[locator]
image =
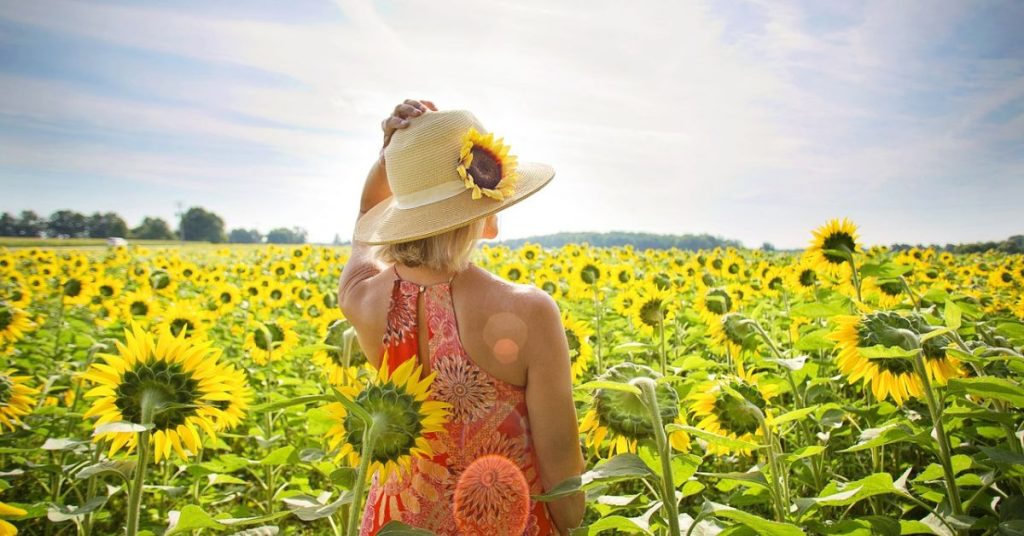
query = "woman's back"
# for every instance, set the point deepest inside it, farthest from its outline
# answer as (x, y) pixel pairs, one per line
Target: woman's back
(488, 405)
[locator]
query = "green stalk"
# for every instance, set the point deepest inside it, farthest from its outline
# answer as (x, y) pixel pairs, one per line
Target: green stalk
(664, 362)
(597, 314)
(668, 491)
(369, 438)
(940, 434)
(148, 404)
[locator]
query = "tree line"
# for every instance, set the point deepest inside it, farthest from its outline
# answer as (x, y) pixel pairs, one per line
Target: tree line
(197, 224)
(691, 242)
(1012, 245)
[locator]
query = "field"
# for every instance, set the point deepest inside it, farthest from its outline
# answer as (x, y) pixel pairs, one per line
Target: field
(845, 390)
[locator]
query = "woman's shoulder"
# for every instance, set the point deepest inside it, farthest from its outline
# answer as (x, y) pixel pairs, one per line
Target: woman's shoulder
(526, 301)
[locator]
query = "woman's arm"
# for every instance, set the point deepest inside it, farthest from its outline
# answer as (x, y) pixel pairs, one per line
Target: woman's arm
(552, 413)
(362, 264)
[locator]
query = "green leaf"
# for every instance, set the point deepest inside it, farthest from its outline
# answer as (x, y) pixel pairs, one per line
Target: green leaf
(952, 315)
(279, 456)
(805, 452)
(121, 427)
(880, 351)
(750, 477)
(215, 479)
(884, 270)
(190, 518)
(934, 471)
(397, 528)
(935, 333)
(710, 437)
(59, 513)
(794, 415)
(794, 364)
(989, 387)
(309, 508)
(1003, 457)
(617, 523)
(289, 402)
(61, 444)
(1013, 330)
(847, 493)
(759, 524)
(818, 310)
(814, 341)
(884, 435)
(121, 468)
(614, 386)
(619, 467)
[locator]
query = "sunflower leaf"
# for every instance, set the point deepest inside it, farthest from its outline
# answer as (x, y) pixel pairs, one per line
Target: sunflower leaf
(989, 387)
(711, 437)
(759, 524)
(121, 468)
(121, 427)
(880, 351)
(619, 467)
(604, 384)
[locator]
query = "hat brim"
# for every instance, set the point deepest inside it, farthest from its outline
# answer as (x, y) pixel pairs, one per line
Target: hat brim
(386, 223)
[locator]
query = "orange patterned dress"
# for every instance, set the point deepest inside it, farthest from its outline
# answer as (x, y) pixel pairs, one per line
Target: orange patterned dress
(487, 416)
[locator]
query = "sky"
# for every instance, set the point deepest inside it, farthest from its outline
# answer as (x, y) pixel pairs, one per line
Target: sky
(757, 121)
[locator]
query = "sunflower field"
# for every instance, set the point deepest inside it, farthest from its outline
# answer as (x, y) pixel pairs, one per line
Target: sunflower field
(840, 390)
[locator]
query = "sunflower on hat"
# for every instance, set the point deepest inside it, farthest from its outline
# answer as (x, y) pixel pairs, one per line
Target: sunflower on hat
(485, 165)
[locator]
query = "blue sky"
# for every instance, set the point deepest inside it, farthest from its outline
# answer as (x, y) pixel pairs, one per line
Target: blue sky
(751, 120)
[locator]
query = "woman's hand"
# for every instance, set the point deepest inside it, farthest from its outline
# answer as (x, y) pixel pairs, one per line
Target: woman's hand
(400, 117)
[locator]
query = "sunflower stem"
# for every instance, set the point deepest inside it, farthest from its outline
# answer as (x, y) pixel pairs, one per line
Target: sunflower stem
(668, 491)
(369, 438)
(664, 358)
(853, 271)
(147, 404)
(597, 314)
(940, 434)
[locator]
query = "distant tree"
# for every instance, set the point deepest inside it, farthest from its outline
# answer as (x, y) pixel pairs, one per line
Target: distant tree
(245, 236)
(30, 224)
(767, 246)
(295, 235)
(198, 224)
(8, 225)
(106, 225)
(153, 229)
(337, 239)
(67, 223)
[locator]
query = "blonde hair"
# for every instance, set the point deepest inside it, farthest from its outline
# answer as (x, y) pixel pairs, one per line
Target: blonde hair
(446, 252)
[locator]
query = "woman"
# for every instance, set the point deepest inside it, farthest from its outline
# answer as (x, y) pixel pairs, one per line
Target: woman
(499, 349)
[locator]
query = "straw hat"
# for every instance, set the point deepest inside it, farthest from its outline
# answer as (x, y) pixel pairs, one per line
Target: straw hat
(445, 170)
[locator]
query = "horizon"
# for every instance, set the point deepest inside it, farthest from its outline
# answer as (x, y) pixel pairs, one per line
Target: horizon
(757, 122)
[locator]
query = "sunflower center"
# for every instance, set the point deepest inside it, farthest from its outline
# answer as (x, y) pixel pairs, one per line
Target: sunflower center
(624, 413)
(738, 416)
(106, 291)
(139, 308)
(734, 268)
(891, 330)
(1007, 277)
(6, 317)
(182, 324)
(891, 288)
(775, 283)
(225, 298)
(276, 337)
(574, 341)
(839, 241)
(159, 280)
(718, 301)
(717, 264)
(590, 274)
(514, 274)
(399, 413)
(549, 287)
(624, 276)
(276, 294)
(485, 168)
(172, 386)
(6, 388)
(72, 288)
(650, 312)
(808, 277)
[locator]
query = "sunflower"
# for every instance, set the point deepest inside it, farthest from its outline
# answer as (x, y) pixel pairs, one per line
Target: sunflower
(623, 418)
(182, 379)
(515, 272)
(16, 398)
(802, 277)
(714, 302)
(733, 333)
(400, 403)
(76, 290)
(140, 304)
(225, 297)
(530, 253)
(486, 167)
(830, 242)
(282, 339)
(332, 360)
(578, 334)
(652, 307)
(233, 409)
(547, 280)
(891, 376)
(887, 293)
(717, 411)
(186, 317)
(6, 510)
(14, 323)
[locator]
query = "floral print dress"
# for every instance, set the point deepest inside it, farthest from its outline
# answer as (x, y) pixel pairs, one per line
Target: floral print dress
(487, 416)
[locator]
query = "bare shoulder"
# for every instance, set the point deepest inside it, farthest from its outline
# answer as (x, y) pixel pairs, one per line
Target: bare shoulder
(527, 300)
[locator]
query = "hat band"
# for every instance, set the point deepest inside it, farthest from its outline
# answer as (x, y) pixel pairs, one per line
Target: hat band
(430, 195)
